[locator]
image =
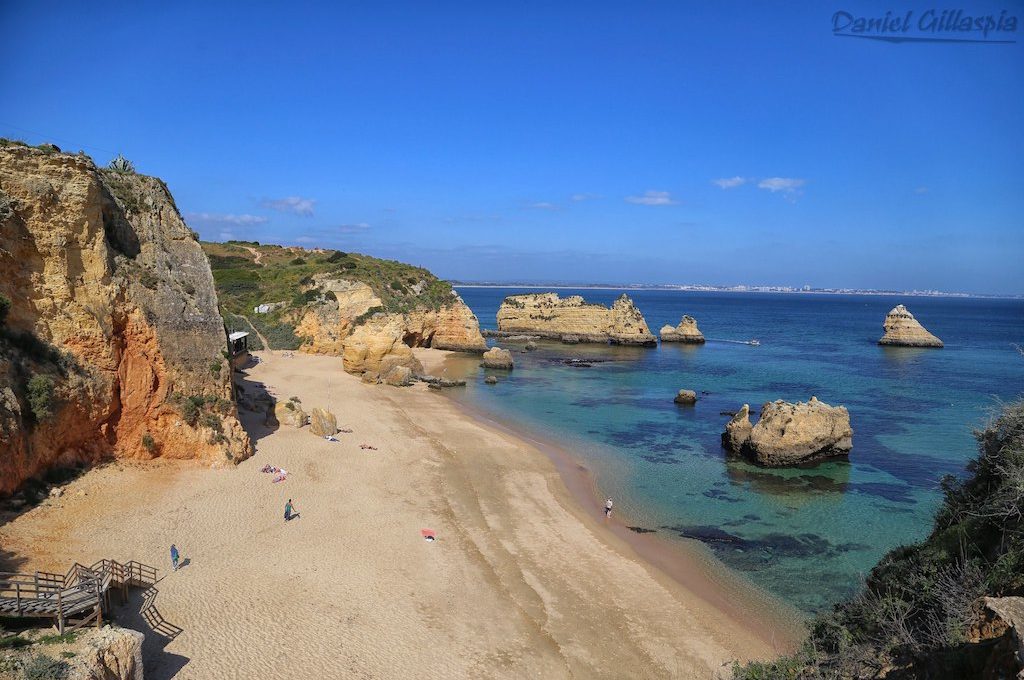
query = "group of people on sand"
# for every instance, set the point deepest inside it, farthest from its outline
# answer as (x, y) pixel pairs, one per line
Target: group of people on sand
(290, 513)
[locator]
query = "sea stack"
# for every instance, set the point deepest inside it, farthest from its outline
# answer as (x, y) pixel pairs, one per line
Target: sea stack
(686, 332)
(790, 434)
(903, 330)
(573, 319)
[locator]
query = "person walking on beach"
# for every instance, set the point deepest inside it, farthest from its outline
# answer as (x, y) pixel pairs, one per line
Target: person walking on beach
(289, 511)
(174, 556)
(608, 508)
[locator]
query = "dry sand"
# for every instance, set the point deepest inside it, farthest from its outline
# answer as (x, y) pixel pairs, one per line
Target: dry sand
(522, 581)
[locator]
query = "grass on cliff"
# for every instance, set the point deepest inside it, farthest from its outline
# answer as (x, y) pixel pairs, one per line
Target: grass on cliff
(921, 600)
(286, 275)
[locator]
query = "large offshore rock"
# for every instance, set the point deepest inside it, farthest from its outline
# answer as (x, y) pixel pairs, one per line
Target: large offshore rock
(109, 281)
(903, 330)
(322, 422)
(573, 319)
(790, 434)
(497, 357)
(685, 332)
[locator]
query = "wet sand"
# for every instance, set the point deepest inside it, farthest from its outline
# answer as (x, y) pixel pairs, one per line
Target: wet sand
(524, 579)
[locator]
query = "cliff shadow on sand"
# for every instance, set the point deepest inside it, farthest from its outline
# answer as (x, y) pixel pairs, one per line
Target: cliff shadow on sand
(255, 402)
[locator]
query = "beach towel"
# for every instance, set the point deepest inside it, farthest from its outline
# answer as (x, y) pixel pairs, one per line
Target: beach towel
(280, 476)
(428, 534)
(330, 438)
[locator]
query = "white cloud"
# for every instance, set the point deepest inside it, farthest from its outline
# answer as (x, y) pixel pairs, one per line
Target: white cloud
(544, 205)
(576, 198)
(652, 197)
(290, 204)
(787, 185)
(220, 218)
(921, 190)
(729, 182)
(352, 228)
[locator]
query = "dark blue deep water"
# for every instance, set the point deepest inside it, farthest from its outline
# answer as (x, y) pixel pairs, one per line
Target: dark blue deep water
(807, 535)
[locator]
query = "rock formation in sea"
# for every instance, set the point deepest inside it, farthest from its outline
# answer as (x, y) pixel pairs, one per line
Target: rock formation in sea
(903, 330)
(685, 332)
(113, 344)
(686, 397)
(573, 319)
(497, 357)
(790, 433)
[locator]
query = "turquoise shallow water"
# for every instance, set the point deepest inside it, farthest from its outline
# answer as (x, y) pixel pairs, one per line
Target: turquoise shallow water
(807, 535)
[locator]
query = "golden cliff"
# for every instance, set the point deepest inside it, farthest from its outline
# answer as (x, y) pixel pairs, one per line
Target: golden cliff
(375, 341)
(572, 319)
(113, 344)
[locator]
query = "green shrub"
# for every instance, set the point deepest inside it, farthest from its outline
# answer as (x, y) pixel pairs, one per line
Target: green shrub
(42, 667)
(211, 421)
(331, 296)
(13, 642)
(336, 256)
(41, 396)
(56, 639)
(148, 443)
(5, 307)
(190, 410)
(215, 368)
(298, 261)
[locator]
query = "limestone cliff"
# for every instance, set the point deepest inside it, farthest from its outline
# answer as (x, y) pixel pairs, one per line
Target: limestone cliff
(903, 330)
(686, 332)
(384, 340)
(549, 316)
(790, 434)
(114, 343)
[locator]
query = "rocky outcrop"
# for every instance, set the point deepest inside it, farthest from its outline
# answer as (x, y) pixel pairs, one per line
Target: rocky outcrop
(686, 397)
(737, 430)
(398, 376)
(290, 413)
(573, 320)
(685, 332)
(1001, 630)
(114, 321)
(107, 653)
(903, 330)
(790, 434)
(385, 340)
(322, 423)
(497, 357)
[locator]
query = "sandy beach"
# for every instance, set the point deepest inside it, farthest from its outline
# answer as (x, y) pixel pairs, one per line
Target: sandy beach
(522, 581)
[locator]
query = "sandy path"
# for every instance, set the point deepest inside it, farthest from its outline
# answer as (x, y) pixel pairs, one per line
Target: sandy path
(518, 584)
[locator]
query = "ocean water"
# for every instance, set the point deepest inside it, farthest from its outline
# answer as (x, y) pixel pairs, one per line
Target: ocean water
(807, 535)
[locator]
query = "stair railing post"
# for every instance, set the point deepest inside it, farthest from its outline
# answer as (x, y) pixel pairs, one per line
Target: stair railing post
(17, 591)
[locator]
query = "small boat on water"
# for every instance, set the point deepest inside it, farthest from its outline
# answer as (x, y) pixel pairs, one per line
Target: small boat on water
(755, 342)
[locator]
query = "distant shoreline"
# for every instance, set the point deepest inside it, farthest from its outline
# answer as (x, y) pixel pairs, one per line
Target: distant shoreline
(760, 290)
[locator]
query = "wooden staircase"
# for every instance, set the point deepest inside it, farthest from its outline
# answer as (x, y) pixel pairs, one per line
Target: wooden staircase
(74, 599)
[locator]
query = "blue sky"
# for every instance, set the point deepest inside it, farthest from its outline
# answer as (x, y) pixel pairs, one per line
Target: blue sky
(555, 141)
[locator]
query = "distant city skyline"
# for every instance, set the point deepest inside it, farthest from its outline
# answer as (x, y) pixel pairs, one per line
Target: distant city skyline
(576, 142)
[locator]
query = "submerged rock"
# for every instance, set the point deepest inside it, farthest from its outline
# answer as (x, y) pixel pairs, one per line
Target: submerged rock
(790, 434)
(497, 357)
(686, 397)
(903, 330)
(685, 332)
(491, 380)
(322, 423)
